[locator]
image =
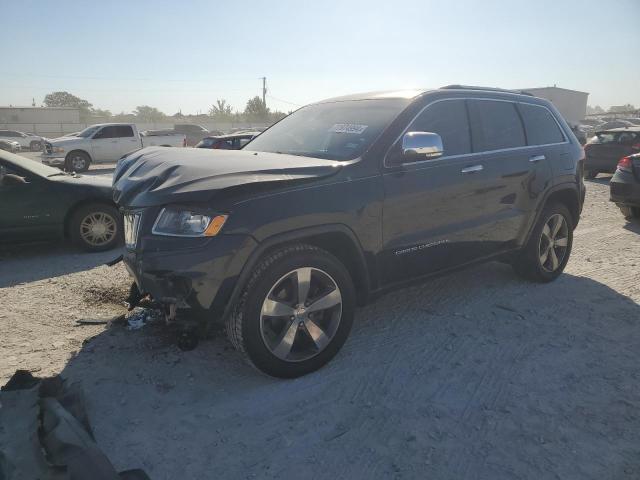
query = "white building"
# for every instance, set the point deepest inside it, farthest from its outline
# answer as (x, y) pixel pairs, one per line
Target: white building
(572, 104)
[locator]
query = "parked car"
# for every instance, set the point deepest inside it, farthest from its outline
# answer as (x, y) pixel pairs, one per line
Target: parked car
(606, 148)
(234, 141)
(10, 146)
(625, 186)
(343, 200)
(611, 124)
(27, 141)
(194, 133)
(38, 203)
(102, 143)
(635, 121)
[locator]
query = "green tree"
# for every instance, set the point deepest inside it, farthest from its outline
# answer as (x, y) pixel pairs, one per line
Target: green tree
(221, 109)
(256, 109)
(65, 99)
(148, 114)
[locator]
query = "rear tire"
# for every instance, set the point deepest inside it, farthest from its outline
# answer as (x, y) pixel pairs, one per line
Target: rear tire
(547, 252)
(77, 162)
(590, 174)
(96, 227)
(35, 146)
(279, 324)
(629, 212)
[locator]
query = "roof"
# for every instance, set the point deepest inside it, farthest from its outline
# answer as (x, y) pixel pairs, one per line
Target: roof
(555, 88)
(620, 129)
(29, 107)
(413, 93)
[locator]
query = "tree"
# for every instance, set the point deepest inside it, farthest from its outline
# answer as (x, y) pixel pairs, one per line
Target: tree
(220, 109)
(65, 99)
(256, 109)
(97, 112)
(148, 114)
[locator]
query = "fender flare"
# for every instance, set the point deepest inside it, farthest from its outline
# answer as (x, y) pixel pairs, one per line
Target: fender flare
(294, 236)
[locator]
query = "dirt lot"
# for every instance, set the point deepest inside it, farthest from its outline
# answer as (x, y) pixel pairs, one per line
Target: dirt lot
(478, 375)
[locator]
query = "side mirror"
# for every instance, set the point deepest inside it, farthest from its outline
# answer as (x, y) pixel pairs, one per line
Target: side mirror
(418, 146)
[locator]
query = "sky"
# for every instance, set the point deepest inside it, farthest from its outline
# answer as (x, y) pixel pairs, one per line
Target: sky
(182, 55)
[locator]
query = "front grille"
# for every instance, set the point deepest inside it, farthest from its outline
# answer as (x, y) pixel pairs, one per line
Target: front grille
(47, 148)
(131, 229)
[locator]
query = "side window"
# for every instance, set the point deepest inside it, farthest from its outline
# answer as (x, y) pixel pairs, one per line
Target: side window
(244, 141)
(627, 138)
(540, 125)
(106, 132)
(11, 133)
(495, 125)
(124, 131)
(448, 119)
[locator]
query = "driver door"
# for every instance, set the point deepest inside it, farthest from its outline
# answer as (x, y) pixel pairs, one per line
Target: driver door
(25, 213)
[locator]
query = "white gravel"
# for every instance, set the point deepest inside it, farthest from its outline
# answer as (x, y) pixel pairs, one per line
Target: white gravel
(477, 375)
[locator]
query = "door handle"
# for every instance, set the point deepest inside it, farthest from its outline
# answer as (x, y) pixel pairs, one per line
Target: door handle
(472, 169)
(537, 158)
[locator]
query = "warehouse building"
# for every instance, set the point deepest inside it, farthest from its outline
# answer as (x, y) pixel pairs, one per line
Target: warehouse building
(572, 104)
(35, 115)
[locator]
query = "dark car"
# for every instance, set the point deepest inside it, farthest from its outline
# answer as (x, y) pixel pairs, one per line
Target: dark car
(625, 186)
(607, 147)
(344, 200)
(194, 133)
(38, 203)
(234, 141)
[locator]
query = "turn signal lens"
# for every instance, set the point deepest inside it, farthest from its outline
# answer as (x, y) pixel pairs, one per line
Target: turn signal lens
(215, 226)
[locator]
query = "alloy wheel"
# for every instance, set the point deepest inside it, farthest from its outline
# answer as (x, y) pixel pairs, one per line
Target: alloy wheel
(553, 243)
(98, 229)
(78, 163)
(301, 314)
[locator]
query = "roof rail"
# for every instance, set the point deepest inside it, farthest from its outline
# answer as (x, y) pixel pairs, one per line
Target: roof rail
(489, 89)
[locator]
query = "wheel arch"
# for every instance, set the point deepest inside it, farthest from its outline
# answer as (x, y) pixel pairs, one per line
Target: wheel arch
(337, 239)
(568, 195)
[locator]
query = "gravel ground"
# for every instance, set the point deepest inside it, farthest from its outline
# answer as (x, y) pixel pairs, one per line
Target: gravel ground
(477, 375)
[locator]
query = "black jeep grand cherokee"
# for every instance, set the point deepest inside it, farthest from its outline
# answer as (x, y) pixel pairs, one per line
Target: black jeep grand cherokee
(345, 199)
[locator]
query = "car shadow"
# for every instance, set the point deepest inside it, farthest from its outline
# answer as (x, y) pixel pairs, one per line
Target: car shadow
(602, 179)
(20, 263)
(633, 225)
(477, 371)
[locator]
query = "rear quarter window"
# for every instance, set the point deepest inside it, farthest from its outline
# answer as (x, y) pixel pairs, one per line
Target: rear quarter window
(540, 125)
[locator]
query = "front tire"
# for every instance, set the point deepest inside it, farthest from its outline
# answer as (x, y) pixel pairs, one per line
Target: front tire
(295, 313)
(629, 212)
(96, 227)
(547, 252)
(77, 162)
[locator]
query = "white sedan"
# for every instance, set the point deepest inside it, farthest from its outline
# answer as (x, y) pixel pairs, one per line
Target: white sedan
(27, 141)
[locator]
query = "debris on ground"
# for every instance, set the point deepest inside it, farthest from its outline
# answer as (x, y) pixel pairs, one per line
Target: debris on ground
(45, 433)
(140, 316)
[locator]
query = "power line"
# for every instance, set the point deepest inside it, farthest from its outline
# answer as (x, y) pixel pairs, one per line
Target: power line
(284, 101)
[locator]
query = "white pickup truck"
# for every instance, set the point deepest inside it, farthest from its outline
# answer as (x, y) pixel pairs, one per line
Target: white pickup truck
(102, 143)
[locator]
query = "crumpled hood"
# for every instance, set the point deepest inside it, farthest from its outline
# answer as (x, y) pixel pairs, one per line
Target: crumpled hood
(160, 175)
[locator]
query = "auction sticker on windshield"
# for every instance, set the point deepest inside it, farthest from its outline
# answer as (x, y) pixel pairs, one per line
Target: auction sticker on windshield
(348, 128)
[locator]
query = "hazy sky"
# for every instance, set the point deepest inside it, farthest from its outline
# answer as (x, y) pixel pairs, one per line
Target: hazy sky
(184, 54)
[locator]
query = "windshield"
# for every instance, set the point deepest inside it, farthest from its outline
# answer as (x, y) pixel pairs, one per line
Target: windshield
(33, 166)
(335, 131)
(87, 132)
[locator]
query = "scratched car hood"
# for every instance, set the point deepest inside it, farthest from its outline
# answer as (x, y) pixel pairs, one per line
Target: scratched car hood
(159, 175)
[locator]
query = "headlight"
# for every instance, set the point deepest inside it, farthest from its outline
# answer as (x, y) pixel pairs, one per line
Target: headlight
(57, 150)
(178, 222)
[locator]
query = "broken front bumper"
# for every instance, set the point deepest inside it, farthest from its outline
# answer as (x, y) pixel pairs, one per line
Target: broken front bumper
(197, 273)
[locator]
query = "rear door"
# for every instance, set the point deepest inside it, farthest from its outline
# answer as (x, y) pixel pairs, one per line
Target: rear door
(112, 142)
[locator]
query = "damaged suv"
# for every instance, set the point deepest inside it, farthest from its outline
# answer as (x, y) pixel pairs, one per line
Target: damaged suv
(343, 200)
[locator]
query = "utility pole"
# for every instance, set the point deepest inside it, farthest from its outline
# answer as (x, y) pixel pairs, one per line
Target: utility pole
(264, 91)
